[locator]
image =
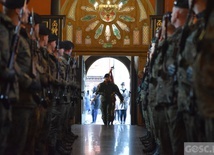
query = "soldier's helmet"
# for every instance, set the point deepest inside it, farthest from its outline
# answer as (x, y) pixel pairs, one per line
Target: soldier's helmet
(13, 4)
(181, 4)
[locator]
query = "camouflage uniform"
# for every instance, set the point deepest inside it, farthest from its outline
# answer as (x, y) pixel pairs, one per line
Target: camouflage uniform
(166, 96)
(43, 123)
(203, 75)
(6, 33)
(23, 111)
(154, 68)
(143, 100)
(106, 90)
(53, 94)
(186, 97)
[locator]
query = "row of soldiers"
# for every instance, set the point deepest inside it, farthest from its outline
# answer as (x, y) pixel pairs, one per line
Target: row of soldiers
(176, 93)
(38, 85)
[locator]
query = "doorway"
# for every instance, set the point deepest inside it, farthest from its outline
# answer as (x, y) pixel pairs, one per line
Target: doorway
(94, 76)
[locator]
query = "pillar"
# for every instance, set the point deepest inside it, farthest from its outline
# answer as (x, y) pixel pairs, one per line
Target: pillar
(159, 7)
(55, 7)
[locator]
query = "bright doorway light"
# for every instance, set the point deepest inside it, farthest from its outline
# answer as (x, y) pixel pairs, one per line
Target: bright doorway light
(94, 76)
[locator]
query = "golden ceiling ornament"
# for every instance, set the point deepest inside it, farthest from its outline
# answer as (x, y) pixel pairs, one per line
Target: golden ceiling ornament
(108, 13)
(107, 26)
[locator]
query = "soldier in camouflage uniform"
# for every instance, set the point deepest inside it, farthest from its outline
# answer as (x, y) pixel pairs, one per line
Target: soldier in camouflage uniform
(148, 140)
(161, 124)
(43, 124)
(203, 72)
(186, 98)
(66, 137)
(23, 111)
(31, 33)
(7, 75)
(54, 95)
(106, 89)
(166, 87)
(158, 123)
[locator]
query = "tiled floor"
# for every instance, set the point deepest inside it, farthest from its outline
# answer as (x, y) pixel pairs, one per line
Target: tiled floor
(107, 140)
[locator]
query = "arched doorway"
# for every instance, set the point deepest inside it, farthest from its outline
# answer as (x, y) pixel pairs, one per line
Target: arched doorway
(130, 65)
(94, 76)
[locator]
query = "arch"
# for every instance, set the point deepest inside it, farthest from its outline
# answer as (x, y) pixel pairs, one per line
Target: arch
(122, 59)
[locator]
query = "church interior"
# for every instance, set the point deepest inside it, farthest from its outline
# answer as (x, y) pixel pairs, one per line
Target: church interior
(125, 36)
(117, 29)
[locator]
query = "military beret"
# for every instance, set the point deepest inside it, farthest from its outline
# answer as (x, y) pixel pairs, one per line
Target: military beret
(61, 45)
(181, 4)
(52, 37)
(106, 75)
(68, 45)
(43, 30)
(13, 4)
(37, 18)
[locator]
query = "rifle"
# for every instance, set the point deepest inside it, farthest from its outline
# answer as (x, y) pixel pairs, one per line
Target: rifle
(33, 46)
(57, 77)
(66, 79)
(4, 96)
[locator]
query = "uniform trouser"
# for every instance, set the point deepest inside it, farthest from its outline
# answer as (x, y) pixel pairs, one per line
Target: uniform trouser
(43, 131)
(209, 128)
(194, 127)
(72, 112)
(162, 132)
(54, 124)
(5, 125)
(32, 132)
(152, 119)
(64, 120)
(106, 109)
(111, 117)
(176, 129)
(67, 111)
(21, 118)
(146, 118)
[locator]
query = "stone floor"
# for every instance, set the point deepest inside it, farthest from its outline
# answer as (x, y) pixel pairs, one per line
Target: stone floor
(116, 139)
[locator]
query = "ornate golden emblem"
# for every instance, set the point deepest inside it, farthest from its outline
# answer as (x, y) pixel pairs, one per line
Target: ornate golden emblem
(108, 14)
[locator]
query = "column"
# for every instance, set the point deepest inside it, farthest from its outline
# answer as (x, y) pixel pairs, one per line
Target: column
(55, 7)
(159, 7)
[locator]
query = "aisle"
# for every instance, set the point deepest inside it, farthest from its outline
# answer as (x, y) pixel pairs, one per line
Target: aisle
(107, 140)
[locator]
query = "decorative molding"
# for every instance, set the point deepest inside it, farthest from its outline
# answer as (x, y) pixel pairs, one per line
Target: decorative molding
(72, 11)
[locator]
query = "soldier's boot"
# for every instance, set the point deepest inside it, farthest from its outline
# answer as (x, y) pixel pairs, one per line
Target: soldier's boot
(146, 137)
(68, 140)
(149, 145)
(73, 135)
(63, 149)
(70, 137)
(157, 150)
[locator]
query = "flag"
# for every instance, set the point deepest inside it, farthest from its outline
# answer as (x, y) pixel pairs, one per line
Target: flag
(111, 75)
